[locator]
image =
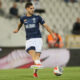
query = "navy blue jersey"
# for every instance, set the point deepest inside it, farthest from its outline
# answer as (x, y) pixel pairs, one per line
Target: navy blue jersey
(31, 25)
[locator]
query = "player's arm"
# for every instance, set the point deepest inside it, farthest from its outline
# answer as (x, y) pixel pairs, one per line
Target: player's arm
(18, 28)
(46, 26)
(49, 30)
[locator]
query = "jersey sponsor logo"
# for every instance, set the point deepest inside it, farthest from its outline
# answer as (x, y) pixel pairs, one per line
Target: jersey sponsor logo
(30, 26)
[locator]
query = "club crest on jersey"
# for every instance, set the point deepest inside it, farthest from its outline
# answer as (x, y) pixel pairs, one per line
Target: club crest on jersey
(34, 20)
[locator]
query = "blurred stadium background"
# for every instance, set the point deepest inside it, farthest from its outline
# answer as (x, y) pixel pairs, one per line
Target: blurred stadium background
(58, 14)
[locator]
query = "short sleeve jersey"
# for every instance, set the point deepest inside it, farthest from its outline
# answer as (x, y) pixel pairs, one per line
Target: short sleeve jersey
(31, 25)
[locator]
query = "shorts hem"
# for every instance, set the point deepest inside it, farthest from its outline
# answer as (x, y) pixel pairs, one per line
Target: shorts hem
(30, 48)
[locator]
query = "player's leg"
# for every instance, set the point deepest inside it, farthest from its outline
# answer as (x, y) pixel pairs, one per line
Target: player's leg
(37, 46)
(30, 48)
(36, 70)
(32, 53)
(38, 49)
(33, 47)
(38, 58)
(37, 55)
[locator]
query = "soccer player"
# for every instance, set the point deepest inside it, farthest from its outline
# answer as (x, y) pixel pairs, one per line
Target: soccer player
(33, 35)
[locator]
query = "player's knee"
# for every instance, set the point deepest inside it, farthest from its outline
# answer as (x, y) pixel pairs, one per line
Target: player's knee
(31, 51)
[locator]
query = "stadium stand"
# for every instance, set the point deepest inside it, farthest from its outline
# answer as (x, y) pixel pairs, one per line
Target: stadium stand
(61, 15)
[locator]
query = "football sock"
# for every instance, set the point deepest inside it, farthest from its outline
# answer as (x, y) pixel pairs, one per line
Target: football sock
(35, 71)
(37, 62)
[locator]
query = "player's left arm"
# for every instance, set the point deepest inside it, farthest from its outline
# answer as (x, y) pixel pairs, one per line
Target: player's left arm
(46, 26)
(49, 30)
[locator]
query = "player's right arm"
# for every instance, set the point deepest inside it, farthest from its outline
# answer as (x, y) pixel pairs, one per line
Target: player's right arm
(18, 28)
(19, 25)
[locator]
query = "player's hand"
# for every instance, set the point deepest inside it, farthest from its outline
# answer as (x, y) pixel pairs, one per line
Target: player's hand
(15, 31)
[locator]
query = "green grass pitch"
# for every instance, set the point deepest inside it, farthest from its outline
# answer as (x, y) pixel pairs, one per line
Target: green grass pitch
(70, 73)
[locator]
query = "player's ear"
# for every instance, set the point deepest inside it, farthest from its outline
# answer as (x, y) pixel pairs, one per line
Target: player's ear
(27, 8)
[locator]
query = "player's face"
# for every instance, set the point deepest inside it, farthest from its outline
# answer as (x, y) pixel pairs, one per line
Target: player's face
(30, 10)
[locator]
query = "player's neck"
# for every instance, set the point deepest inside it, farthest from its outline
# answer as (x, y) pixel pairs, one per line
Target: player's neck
(28, 15)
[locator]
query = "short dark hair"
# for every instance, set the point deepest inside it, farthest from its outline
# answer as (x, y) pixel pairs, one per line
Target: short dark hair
(28, 4)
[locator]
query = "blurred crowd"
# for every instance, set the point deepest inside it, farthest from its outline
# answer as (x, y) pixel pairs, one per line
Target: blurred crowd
(1, 10)
(14, 11)
(52, 43)
(73, 1)
(76, 27)
(55, 43)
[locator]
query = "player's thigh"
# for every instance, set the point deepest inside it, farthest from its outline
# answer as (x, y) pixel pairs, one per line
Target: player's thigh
(38, 45)
(30, 46)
